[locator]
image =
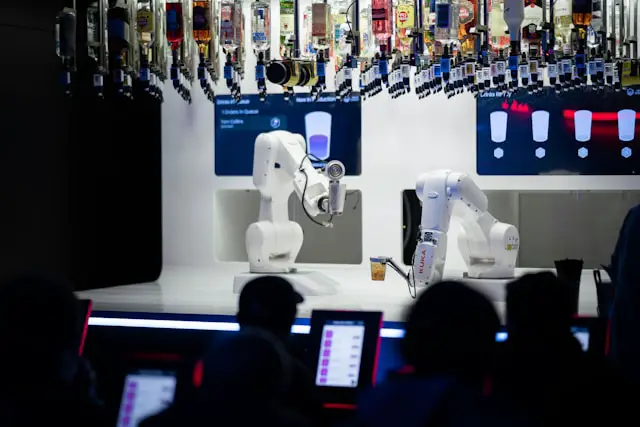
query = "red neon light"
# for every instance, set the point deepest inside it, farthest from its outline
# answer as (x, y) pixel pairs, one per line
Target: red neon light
(377, 357)
(516, 107)
(85, 328)
(339, 406)
(198, 371)
(597, 116)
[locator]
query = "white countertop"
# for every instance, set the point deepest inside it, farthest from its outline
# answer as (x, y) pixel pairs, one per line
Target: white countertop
(189, 290)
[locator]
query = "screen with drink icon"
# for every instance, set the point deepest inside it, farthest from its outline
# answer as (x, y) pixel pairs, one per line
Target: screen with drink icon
(332, 129)
(340, 353)
(573, 133)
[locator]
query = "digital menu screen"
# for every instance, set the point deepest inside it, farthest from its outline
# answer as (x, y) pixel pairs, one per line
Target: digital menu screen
(340, 354)
(573, 133)
(332, 129)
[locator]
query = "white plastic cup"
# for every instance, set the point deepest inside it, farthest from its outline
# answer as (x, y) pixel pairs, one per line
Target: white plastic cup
(498, 126)
(540, 125)
(626, 125)
(582, 121)
(318, 133)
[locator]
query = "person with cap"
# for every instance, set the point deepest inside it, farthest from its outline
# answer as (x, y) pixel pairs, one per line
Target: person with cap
(271, 303)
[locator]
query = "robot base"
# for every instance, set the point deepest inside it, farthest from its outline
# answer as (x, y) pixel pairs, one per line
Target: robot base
(307, 283)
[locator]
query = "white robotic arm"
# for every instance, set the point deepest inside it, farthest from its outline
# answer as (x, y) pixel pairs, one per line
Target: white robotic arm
(489, 247)
(281, 166)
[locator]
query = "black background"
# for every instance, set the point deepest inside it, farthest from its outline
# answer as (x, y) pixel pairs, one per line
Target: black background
(80, 181)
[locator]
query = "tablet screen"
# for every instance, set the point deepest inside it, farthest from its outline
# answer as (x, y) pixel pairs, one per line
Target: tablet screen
(340, 353)
(145, 393)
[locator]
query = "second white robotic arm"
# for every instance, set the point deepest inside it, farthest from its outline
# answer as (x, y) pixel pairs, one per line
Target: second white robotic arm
(489, 247)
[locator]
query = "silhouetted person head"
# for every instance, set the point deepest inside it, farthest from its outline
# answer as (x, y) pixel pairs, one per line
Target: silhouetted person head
(538, 308)
(39, 327)
(251, 365)
(269, 302)
(451, 330)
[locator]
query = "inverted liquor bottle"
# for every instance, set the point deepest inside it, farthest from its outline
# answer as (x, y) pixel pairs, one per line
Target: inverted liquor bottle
(287, 27)
(66, 45)
(145, 28)
(581, 17)
(119, 44)
(382, 29)
(97, 44)
(202, 34)
(261, 41)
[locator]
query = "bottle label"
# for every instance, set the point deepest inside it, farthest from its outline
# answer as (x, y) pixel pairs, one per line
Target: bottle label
(200, 21)
(406, 70)
(424, 75)
(533, 67)
(523, 70)
(552, 70)
(616, 76)
(144, 21)
(259, 72)
(383, 68)
(479, 75)
(443, 15)
(437, 71)
(118, 76)
(486, 73)
(445, 65)
(144, 74)
(287, 23)
(566, 66)
(98, 80)
(599, 65)
(228, 72)
(580, 60)
(347, 73)
(117, 28)
(494, 69)
(378, 13)
(173, 23)
(469, 69)
(501, 67)
(376, 71)
(259, 36)
(608, 70)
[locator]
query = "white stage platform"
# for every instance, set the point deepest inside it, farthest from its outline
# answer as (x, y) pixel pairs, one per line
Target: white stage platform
(183, 290)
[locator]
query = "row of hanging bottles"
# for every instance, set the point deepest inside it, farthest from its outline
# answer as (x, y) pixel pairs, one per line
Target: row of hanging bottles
(424, 47)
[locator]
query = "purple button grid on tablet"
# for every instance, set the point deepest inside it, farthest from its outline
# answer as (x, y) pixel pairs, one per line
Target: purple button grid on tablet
(328, 334)
(324, 371)
(126, 421)
(323, 380)
(326, 353)
(325, 362)
(327, 343)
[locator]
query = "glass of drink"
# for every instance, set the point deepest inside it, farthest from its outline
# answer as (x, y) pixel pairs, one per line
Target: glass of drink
(626, 125)
(318, 133)
(540, 125)
(582, 121)
(378, 269)
(498, 126)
